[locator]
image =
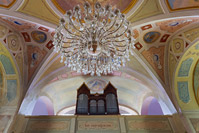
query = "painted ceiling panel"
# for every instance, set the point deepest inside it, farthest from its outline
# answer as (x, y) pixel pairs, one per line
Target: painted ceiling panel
(6, 3)
(65, 5)
(182, 4)
(39, 9)
(148, 8)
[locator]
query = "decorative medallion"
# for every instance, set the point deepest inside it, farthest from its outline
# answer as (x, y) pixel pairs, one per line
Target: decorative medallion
(151, 37)
(13, 42)
(39, 36)
(178, 45)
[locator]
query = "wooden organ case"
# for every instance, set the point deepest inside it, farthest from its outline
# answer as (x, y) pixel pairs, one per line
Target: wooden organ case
(97, 104)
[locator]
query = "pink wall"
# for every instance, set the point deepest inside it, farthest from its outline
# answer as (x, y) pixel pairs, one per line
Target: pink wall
(43, 106)
(151, 106)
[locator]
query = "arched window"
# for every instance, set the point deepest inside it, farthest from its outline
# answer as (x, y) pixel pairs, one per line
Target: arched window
(111, 104)
(82, 106)
(101, 108)
(93, 107)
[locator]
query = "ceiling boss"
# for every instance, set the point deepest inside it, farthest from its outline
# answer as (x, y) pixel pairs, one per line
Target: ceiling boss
(96, 41)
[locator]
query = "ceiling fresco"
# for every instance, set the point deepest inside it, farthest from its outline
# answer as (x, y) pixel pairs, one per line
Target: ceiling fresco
(161, 40)
(148, 8)
(182, 4)
(65, 5)
(9, 81)
(37, 39)
(7, 3)
(186, 80)
(30, 7)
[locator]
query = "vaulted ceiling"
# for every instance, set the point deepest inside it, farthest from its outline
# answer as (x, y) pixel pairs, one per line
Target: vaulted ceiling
(164, 30)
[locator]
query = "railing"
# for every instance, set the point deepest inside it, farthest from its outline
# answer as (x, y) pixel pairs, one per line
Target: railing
(98, 124)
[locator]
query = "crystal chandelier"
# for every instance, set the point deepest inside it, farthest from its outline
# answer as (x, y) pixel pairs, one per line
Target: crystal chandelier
(96, 41)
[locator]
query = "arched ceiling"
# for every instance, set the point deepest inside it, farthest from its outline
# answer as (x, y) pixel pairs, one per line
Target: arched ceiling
(154, 22)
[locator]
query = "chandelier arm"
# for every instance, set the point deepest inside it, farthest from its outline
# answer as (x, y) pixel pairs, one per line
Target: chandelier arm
(114, 41)
(105, 23)
(67, 54)
(108, 28)
(68, 47)
(118, 35)
(82, 25)
(79, 20)
(114, 31)
(122, 46)
(82, 33)
(74, 35)
(72, 38)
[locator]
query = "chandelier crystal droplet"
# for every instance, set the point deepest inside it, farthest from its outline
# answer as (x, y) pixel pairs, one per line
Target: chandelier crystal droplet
(96, 41)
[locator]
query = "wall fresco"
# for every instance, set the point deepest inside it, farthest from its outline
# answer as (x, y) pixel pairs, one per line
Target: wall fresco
(7, 64)
(173, 25)
(35, 56)
(18, 23)
(183, 91)
(96, 85)
(196, 82)
(182, 4)
(11, 90)
(155, 57)
(185, 67)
